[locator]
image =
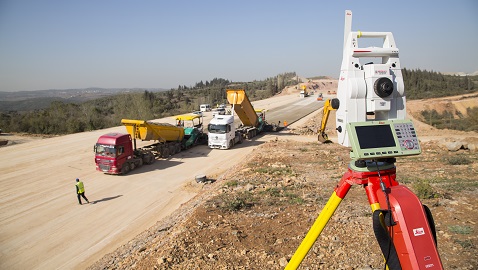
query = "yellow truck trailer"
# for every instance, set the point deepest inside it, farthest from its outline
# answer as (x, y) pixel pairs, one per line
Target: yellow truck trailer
(116, 153)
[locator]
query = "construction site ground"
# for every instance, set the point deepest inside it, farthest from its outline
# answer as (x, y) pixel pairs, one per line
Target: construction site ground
(255, 215)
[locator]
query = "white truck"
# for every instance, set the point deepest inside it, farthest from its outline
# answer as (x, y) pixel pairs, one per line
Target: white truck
(205, 108)
(223, 133)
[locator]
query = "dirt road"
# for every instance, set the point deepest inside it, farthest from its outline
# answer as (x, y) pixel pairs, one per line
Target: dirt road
(44, 227)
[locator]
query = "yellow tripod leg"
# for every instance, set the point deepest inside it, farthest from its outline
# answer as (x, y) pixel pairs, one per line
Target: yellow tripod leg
(314, 231)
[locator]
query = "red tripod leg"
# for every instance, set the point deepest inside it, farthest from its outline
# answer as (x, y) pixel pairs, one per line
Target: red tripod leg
(411, 235)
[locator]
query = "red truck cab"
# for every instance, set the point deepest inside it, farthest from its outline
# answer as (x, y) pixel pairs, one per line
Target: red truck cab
(112, 150)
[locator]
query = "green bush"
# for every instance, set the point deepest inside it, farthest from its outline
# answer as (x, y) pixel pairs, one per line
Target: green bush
(446, 120)
(459, 229)
(232, 183)
(237, 201)
(424, 190)
(458, 160)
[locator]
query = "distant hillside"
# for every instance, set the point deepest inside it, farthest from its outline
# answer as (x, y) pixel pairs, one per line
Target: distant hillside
(29, 104)
(63, 116)
(41, 99)
(429, 84)
(106, 107)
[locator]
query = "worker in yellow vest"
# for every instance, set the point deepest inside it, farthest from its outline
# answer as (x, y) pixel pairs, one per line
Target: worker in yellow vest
(80, 190)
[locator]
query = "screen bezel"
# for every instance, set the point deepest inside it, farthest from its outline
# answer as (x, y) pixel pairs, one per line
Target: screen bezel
(377, 152)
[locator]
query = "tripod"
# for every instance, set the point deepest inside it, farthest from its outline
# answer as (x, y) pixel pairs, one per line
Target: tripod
(403, 226)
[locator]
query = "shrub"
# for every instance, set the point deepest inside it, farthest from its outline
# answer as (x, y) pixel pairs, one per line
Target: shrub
(458, 160)
(424, 190)
(458, 229)
(236, 202)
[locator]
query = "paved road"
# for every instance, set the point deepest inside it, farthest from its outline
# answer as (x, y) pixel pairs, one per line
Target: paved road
(294, 111)
(42, 225)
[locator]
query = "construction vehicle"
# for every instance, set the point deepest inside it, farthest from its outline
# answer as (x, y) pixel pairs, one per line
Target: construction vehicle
(193, 130)
(222, 131)
(117, 153)
(330, 104)
(304, 92)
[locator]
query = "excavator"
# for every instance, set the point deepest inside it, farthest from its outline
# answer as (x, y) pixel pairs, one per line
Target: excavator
(330, 104)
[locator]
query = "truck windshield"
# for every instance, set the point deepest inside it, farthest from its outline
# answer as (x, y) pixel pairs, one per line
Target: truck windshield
(105, 150)
(221, 129)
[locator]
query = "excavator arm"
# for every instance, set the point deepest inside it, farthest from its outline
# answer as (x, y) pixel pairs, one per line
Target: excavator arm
(330, 104)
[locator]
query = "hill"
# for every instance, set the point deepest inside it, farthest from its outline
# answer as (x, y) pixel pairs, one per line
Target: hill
(41, 99)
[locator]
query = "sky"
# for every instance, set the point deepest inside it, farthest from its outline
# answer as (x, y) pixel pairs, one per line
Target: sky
(58, 44)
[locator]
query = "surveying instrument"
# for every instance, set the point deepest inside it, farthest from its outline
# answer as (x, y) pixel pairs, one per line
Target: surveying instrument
(370, 118)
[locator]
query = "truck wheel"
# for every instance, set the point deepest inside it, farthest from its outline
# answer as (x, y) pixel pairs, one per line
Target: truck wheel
(165, 152)
(151, 159)
(231, 144)
(171, 150)
(132, 166)
(125, 168)
(140, 163)
(178, 148)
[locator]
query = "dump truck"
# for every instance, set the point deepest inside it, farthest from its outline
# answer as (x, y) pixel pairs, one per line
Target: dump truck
(223, 133)
(304, 92)
(117, 153)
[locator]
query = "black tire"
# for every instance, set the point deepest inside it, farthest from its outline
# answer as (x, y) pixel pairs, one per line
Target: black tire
(125, 168)
(132, 166)
(172, 149)
(335, 103)
(165, 152)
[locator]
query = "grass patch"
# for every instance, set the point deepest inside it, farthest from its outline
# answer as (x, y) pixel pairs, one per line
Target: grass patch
(459, 184)
(274, 171)
(232, 183)
(273, 192)
(458, 160)
(424, 190)
(459, 229)
(293, 198)
(236, 202)
(466, 244)
(280, 196)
